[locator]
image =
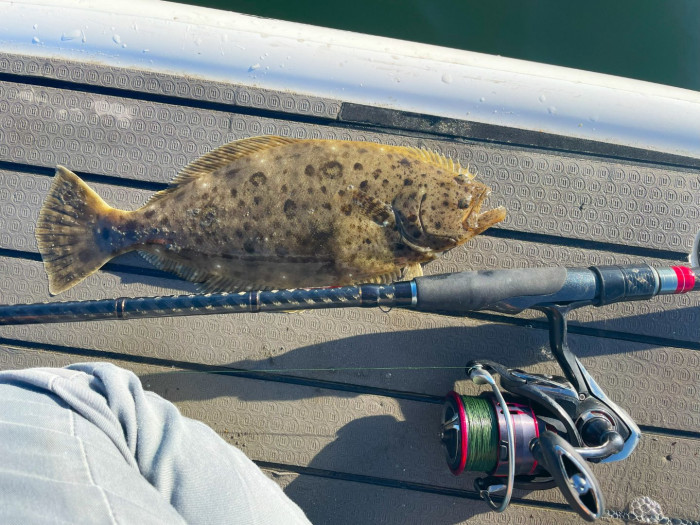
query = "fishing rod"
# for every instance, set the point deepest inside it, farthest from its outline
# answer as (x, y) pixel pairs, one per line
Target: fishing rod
(534, 432)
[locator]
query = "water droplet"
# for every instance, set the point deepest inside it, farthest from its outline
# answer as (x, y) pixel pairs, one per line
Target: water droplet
(116, 39)
(254, 67)
(542, 99)
(551, 110)
(36, 40)
(482, 99)
(447, 78)
(70, 35)
(35, 26)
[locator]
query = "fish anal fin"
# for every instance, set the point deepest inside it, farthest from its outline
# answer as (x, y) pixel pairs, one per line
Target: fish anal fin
(411, 272)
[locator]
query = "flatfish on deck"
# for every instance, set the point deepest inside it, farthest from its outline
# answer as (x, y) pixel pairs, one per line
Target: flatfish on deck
(271, 213)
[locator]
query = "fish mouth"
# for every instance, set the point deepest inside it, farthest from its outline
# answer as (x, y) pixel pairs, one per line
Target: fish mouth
(475, 222)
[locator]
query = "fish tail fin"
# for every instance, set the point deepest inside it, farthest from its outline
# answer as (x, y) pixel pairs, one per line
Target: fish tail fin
(66, 231)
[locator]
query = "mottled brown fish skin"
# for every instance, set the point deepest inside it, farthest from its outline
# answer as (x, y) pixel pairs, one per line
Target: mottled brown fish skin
(305, 213)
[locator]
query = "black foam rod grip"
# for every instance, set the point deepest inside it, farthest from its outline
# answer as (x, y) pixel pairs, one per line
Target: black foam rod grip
(479, 290)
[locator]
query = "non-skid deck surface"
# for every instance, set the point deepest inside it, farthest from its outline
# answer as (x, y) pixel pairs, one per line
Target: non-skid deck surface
(341, 407)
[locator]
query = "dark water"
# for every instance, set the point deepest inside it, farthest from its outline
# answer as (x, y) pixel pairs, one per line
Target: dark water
(651, 40)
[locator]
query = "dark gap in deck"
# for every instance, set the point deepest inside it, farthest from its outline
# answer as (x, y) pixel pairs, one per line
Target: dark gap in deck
(398, 484)
(223, 370)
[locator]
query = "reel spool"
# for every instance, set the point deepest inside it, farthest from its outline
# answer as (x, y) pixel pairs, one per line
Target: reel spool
(474, 433)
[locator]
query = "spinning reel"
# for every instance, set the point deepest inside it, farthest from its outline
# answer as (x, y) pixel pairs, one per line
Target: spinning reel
(539, 433)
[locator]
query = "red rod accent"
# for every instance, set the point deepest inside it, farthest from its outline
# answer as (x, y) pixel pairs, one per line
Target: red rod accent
(686, 279)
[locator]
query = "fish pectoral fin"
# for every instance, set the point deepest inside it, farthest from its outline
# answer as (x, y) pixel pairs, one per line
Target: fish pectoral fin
(379, 211)
(220, 157)
(412, 271)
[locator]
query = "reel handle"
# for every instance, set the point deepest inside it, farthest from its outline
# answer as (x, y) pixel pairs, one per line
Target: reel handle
(571, 473)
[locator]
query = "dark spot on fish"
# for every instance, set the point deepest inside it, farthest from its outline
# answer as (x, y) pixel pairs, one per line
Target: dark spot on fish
(85, 256)
(276, 224)
(241, 204)
(390, 155)
(407, 182)
(463, 204)
(412, 218)
(205, 196)
(424, 175)
(281, 251)
(309, 170)
(310, 191)
(239, 233)
(232, 172)
(257, 200)
(332, 169)
(246, 226)
(249, 246)
(278, 158)
(208, 219)
(445, 204)
(346, 209)
(442, 184)
(438, 225)
(326, 205)
(285, 171)
(341, 192)
(385, 182)
(413, 195)
(258, 178)
(149, 214)
(367, 241)
(290, 208)
(234, 192)
(376, 173)
(323, 189)
(363, 185)
(165, 221)
(362, 150)
(130, 225)
(405, 162)
(358, 166)
(284, 188)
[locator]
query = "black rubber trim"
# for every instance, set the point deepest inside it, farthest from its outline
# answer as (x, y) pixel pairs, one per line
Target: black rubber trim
(417, 122)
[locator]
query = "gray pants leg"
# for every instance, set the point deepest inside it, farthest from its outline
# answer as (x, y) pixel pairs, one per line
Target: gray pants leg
(86, 444)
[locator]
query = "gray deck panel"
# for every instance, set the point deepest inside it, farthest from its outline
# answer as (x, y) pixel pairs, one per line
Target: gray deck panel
(570, 196)
(380, 437)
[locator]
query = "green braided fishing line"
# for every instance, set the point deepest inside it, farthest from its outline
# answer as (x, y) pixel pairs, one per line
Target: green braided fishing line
(482, 437)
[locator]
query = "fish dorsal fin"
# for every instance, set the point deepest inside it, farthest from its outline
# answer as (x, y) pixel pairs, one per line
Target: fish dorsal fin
(443, 161)
(220, 157)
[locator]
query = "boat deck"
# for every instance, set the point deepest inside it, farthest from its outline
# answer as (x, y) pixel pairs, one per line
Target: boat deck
(341, 407)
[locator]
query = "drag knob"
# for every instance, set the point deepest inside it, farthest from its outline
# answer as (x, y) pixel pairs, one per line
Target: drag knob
(571, 473)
